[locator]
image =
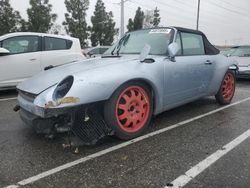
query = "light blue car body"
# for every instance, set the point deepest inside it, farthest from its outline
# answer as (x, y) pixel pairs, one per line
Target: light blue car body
(173, 81)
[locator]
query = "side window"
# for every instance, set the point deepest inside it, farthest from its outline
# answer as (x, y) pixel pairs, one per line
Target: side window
(69, 44)
(55, 44)
(95, 51)
(21, 44)
(192, 44)
(102, 50)
(178, 41)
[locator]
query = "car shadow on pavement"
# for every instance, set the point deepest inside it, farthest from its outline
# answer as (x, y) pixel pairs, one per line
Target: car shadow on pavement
(8, 93)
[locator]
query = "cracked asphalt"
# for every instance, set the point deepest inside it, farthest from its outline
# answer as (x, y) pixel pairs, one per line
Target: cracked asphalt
(151, 162)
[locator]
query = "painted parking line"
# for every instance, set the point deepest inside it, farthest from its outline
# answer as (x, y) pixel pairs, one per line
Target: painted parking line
(8, 99)
(119, 146)
(182, 180)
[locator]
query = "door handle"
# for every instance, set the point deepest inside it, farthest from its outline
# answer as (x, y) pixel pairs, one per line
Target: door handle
(208, 62)
(33, 59)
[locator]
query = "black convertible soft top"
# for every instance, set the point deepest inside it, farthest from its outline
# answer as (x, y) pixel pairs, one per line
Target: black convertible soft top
(209, 48)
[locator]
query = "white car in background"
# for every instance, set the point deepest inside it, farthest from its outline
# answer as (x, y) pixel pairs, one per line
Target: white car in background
(241, 54)
(23, 55)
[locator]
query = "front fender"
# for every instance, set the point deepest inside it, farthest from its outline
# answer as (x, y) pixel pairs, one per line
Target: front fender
(93, 87)
(80, 93)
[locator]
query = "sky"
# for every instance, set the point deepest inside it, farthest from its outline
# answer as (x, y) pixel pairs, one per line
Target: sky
(225, 22)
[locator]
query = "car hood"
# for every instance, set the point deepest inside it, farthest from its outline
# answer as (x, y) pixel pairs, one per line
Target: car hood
(46, 79)
(242, 61)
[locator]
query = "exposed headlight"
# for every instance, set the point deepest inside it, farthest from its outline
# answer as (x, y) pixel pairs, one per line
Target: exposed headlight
(63, 88)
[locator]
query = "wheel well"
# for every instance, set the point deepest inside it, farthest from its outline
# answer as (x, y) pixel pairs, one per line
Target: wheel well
(100, 104)
(149, 86)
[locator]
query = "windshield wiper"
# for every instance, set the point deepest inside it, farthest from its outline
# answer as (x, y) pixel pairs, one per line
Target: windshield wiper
(118, 44)
(123, 42)
(109, 56)
(118, 47)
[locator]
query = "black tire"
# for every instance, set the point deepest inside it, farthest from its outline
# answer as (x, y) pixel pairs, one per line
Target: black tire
(111, 111)
(221, 98)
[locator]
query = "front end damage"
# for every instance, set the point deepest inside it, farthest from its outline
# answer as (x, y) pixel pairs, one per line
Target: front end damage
(65, 115)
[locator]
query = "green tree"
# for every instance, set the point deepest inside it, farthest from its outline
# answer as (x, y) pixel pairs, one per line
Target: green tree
(56, 29)
(10, 19)
(24, 26)
(109, 31)
(156, 19)
(40, 18)
(137, 23)
(138, 20)
(103, 26)
(130, 25)
(75, 20)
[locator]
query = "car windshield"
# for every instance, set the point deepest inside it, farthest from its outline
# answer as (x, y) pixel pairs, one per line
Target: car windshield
(133, 43)
(240, 51)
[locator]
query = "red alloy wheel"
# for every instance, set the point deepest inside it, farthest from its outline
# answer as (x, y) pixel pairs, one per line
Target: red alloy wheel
(228, 87)
(132, 109)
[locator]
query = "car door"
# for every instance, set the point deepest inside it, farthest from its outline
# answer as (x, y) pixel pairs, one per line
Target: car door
(22, 62)
(188, 77)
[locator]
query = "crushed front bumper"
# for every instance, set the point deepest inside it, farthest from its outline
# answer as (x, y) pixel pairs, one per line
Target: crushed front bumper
(40, 125)
(29, 106)
(86, 122)
(43, 120)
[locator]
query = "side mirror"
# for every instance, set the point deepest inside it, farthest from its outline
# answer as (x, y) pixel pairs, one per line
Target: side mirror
(144, 53)
(173, 49)
(4, 51)
(228, 55)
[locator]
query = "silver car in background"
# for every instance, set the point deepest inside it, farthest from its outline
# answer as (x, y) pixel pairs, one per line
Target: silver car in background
(95, 51)
(241, 54)
(145, 73)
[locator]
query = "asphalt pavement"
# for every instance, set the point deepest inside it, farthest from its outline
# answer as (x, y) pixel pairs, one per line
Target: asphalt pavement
(177, 141)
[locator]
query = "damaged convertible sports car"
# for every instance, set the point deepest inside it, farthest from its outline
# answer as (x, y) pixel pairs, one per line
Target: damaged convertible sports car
(145, 73)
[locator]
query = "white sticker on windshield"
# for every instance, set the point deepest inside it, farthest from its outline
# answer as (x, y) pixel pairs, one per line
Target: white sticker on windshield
(163, 30)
